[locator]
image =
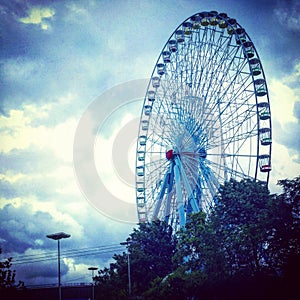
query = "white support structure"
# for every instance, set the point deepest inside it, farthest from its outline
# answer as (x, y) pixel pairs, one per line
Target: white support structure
(187, 186)
(180, 203)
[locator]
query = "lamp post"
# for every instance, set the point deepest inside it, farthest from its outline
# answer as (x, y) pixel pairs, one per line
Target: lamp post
(57, 237)
(93, 286)
(127, 243)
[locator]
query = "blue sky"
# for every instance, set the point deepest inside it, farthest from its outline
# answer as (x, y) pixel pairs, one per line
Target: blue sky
(57, 59)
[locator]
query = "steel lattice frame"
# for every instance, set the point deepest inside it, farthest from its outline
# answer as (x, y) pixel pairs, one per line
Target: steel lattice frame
(205, 119)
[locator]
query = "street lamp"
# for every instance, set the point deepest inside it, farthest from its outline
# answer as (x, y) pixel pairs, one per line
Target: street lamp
(127, 243)
(93, 286)
(57, 237)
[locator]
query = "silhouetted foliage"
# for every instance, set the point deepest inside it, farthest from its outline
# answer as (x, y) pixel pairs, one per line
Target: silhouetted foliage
(284, 243)
(241, 224)
(151, 248)
(246, 248)
(7, 276)
(8, 286)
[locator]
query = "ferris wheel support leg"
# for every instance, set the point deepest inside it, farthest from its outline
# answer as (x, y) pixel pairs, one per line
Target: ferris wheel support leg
(160, 196)
(180, 204)
(169, 194)
(194, 204)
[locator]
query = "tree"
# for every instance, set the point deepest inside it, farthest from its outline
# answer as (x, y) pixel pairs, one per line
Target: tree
(228, 246)
(112, 282)
(151, 248)
(241, 222)
(8, 288)
(246, 248)
(179, 285)
(284, 243)
(7, 276)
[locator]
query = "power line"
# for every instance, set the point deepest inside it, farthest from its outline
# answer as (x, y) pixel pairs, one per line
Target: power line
(34, 258)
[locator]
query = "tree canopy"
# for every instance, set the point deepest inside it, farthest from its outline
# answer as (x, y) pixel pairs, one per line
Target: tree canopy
(151, 248)
(247, 248)
(8, 287)
(7, 276)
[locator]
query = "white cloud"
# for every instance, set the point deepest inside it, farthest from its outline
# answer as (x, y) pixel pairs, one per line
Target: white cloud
(110, 168)
(19, 133)
(282, 101)
(293, 79)
(12, 177)
(39, 16)
(283, 166)
(15, 202)
(286, 130)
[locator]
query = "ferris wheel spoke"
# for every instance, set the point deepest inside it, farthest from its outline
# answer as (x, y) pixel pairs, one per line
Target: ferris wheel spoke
(233, 136)
(235, 83)
(230, 59)
(241, 114)
(210, 65)
(210, 181)
(215, 111)
(241, 119)
(234, 173)
(238, 135)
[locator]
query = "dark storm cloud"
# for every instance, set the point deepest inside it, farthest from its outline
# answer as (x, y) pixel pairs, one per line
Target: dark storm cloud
(288, 13)
(274, 28)
(41, 65)
(16, 39)
(40, 271)
(15, 8)
(285, 33)
(20, 227)
(23, 232)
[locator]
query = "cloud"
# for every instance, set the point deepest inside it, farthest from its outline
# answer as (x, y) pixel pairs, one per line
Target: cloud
(284, 165)
(108, 156)
(285, 106)
(282, 101)
(288, 14)
(293, 78)
(27, 226)
(25, 222)
(18, 132)
(39, 16)
(19, 69)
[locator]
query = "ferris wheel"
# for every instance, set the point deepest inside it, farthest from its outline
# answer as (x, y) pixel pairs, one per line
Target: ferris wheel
(205, 119)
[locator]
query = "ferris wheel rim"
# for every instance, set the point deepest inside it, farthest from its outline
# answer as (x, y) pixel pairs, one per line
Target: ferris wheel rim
(139, 166)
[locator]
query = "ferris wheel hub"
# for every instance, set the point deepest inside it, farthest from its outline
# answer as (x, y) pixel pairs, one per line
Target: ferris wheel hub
(169, 154)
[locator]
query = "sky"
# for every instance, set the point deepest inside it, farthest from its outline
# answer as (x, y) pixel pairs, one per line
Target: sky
(72, 76)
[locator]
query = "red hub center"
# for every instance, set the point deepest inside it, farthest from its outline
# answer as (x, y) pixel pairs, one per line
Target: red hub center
(169, 154)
